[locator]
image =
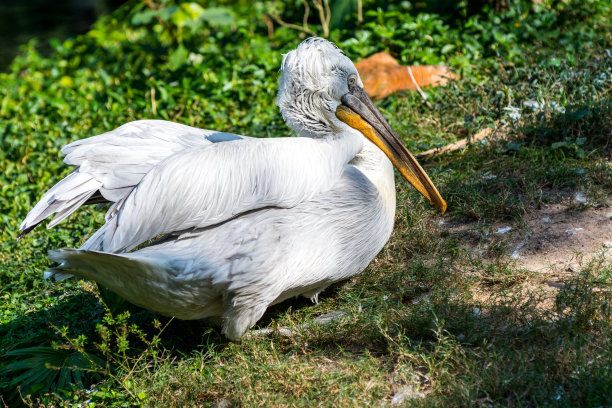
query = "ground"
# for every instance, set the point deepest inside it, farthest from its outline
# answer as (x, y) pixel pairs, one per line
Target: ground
(555, 239)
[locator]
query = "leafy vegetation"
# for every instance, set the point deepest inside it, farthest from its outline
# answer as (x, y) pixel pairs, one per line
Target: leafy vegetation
(539, 73)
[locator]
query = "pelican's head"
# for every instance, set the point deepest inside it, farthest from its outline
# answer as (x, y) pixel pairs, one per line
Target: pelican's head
(314, 78)
(320, 91)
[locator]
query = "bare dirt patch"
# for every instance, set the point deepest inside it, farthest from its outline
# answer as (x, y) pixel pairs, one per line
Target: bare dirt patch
(557, 237)
(553, 242)
(554, 239)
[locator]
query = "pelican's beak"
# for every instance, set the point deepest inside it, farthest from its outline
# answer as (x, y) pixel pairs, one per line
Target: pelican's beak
(358, 111)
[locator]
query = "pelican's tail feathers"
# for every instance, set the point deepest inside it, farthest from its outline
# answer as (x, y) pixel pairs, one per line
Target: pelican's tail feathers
(99, 241)
(122, 274)
(96, 241)
(62, 199)
(150, 281)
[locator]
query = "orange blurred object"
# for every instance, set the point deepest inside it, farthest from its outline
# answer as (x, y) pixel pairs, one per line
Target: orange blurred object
(382, 75)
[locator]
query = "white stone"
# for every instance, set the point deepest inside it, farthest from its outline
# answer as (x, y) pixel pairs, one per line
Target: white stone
(503, 230)
(579, 196)
(405, 393)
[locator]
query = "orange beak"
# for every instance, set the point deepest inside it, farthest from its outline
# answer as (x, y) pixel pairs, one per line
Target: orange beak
(358, 111)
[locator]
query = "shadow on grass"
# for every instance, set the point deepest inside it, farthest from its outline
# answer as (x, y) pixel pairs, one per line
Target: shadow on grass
(547, 161)
(515, 348)
(47, 342)
(508, 349)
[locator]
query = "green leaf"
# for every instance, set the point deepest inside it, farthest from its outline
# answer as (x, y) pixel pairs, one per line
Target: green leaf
(447, 48)
(167, 12)
(513, 147)
(558, 145)
(193, 10)
(553, 62)
(144, 17)
(178, 57)
(218, 16)
(44, 368)
(187, 15)
(579, 114)
(341, 10)
(581, 140)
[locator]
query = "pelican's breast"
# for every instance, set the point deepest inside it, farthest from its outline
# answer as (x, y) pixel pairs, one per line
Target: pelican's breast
(337, 234)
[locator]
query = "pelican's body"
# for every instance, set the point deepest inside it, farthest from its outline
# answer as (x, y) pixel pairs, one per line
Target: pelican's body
(245, 222)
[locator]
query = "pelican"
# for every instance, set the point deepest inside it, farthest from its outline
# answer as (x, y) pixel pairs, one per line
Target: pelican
(227, 225)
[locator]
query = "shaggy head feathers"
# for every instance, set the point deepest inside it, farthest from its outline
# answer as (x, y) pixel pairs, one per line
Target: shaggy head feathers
(314, 78)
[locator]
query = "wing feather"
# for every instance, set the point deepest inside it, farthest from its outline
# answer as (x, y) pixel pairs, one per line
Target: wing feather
(206, 186)
(111, 164)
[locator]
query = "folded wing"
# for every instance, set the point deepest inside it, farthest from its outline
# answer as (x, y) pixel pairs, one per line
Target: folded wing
(205, 186)
(108, 166)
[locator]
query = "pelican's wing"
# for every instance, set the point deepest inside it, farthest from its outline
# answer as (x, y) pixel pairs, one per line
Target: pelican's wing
(212, 184)
(108, 166)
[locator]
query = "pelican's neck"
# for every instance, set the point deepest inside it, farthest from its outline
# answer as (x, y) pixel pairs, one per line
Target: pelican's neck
(375, 165)
(350, 146)
(341, 148)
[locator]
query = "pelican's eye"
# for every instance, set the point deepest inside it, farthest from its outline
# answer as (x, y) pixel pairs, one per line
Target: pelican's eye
(352, 80)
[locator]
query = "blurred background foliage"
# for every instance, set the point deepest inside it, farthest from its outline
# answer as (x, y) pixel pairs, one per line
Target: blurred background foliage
(21, 21)
(214, 64)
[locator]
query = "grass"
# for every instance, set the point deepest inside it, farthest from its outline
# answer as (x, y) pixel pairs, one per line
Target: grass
(429, 317)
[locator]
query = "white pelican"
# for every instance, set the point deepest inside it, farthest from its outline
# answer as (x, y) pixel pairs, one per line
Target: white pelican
(244, 222)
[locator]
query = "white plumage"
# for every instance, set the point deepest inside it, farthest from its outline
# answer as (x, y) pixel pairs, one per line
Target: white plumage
(244, 222)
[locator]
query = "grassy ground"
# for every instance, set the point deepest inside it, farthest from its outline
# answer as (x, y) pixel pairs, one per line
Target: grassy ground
(431, 319)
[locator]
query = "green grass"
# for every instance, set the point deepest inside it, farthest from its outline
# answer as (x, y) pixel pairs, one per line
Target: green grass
(456, 327)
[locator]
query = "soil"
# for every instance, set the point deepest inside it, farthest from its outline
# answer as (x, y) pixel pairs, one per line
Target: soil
(555, 239)
(554, 243)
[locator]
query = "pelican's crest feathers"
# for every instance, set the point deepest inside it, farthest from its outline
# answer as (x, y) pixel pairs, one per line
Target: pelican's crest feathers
(313, 79)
